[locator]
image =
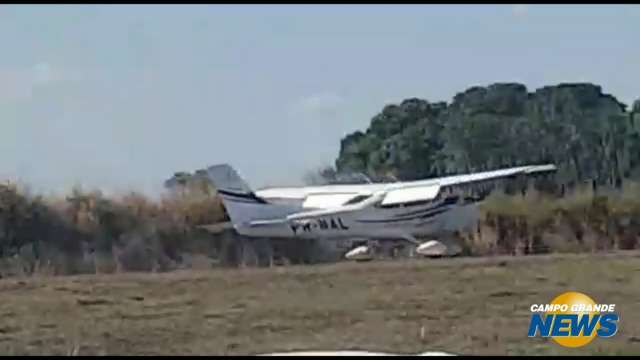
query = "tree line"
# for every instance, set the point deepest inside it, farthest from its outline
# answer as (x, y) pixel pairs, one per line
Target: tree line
(589, 135)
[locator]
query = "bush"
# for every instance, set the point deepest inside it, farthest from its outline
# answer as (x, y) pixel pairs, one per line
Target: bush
(538, 223)
(128, 233)
(87, 232)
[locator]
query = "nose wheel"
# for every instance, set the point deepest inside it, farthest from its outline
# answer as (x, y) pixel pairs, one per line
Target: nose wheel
(364, 252)
(438, 249)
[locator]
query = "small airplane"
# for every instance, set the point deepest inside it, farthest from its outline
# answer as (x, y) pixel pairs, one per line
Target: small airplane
(393, 211)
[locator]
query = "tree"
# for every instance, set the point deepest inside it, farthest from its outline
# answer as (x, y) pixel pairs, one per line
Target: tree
(586, 133)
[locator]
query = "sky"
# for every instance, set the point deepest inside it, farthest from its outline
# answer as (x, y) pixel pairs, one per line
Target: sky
(119, 97)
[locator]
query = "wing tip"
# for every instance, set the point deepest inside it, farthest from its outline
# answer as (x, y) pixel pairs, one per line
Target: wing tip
(542, 168)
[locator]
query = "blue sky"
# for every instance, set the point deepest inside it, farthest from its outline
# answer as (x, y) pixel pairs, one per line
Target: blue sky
(120, 97)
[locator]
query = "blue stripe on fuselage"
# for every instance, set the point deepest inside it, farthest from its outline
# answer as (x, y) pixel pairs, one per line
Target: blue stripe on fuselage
(446, 202)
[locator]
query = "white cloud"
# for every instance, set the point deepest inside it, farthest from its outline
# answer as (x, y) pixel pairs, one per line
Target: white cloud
(317, 104)
(520, 10)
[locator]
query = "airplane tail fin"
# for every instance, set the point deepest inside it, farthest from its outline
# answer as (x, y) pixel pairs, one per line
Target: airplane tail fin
(226, 179)
(239, 200)
(241, 203)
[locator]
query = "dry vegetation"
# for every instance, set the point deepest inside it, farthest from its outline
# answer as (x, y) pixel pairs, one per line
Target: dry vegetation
(465, 305)
(536, 223)
(88, 233)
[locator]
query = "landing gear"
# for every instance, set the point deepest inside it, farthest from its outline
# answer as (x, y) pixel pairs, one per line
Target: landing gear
(437, 249)
(367, 251)
(442, 247)
(360, 253)
(364, 252)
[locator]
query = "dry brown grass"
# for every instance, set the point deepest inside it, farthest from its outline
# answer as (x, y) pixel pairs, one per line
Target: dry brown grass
(87, 232)
(90, 229)
(466, 306)
(581, 221)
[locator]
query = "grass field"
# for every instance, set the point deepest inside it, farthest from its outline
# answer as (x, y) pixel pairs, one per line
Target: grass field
(465, 306)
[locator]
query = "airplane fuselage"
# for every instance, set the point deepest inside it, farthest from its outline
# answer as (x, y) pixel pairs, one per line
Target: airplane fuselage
(394, 222)
(394, 211)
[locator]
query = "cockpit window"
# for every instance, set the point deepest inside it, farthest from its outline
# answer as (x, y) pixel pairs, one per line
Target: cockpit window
(357, 199)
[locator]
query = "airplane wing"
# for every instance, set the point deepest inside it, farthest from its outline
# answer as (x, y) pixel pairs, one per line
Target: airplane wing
(494, 175)
(410, 194)
(394, 194)
(424, 190)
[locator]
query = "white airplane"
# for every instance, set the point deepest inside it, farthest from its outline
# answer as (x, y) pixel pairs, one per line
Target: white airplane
(395, 211)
